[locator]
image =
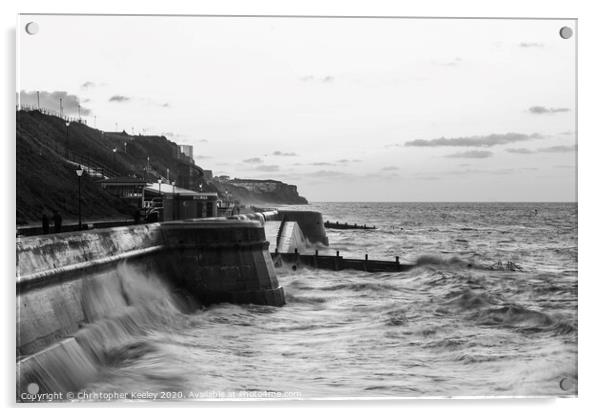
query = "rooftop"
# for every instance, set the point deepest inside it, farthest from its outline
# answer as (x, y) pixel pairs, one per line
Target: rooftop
(123, 180)
(167, 189)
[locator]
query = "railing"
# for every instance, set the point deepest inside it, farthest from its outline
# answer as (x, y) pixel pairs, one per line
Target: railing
(46, 111)
(90, 166)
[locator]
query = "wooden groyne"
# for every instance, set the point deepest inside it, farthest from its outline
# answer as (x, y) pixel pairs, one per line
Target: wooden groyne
(337, 262)
(346, 226)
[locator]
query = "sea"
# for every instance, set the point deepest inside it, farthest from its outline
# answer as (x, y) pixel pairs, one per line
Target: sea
(490, 310)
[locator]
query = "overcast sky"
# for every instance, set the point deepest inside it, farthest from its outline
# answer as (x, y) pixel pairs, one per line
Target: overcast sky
(347, 109)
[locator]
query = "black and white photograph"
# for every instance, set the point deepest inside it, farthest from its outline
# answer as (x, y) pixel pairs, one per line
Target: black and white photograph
(227, 208)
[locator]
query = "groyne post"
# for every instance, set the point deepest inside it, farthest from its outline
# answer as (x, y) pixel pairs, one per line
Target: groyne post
(336, 261)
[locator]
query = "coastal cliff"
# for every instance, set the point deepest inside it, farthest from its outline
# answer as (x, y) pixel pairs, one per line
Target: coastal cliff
(49, 150)
(256, 191)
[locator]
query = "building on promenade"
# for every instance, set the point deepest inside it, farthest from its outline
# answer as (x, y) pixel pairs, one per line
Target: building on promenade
(175, 203)
(127, 188)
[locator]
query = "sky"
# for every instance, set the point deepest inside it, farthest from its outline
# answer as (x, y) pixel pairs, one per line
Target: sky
(346, 109)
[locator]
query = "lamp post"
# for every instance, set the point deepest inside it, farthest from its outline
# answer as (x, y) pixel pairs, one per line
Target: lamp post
(67, 141)
(79, 171)
(114, 155)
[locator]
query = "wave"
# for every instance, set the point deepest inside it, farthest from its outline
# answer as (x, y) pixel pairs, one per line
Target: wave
(435, 260)
(524, 319)
(468, 300)
(128, 353)
(313, 300)
(477, 358)
(361, 287)
(396, 318)
(491, 311)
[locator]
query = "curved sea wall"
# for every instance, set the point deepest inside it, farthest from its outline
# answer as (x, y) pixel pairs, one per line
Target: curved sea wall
(80, 294)
(296, 230)
(310, 223)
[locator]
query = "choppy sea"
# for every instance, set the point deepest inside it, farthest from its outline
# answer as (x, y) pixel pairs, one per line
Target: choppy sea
(490, 311)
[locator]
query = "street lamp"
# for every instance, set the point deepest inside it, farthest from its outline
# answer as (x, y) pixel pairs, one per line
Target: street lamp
(67, 141)
(79, 171)
(160, 180)
(114, 154)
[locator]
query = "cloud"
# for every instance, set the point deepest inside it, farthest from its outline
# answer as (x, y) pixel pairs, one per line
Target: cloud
(119, 99)
(343, 161)
(51, 101)
(279, 153)
(267, 168)
(253, 160)
(329, 174)
(472, 154)
(312, 78)
(453, 62)
(139, 100)
(558, 149)
(538, 109)
(501, 171)
(390, 168)
(504, 171)
(175, 136)
(521, 151)
(475, 141)
(88, 84)
(551, 149)
(531, 45)
(322, 164)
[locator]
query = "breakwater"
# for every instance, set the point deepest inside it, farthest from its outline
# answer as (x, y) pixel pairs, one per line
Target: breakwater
(289, 230)
(340, 226)
(337, 262)
(79, 293)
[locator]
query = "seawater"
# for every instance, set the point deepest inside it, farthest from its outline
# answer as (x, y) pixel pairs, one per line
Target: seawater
(463, 323)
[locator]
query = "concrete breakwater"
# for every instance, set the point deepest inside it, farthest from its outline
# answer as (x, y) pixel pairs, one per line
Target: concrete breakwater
(82, 294)
(297, 227)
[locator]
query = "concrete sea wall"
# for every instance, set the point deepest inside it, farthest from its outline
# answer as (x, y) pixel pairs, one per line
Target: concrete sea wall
(310, 223)
(82, 294)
